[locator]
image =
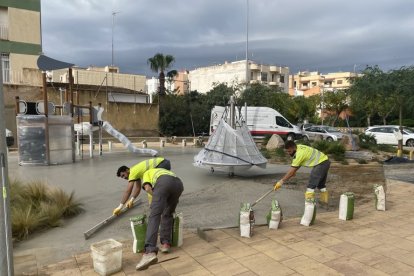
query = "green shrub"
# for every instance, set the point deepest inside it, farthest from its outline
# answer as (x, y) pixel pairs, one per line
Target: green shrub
(280, 152)
(38, 206)
(265, 153)
(344, 162)
(321, 145)
(367, 141)
(386, 148)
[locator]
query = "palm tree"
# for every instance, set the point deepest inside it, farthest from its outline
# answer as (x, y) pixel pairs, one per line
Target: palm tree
(159, 63)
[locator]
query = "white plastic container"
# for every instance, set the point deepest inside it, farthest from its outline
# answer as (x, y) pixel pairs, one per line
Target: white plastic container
(107, 256)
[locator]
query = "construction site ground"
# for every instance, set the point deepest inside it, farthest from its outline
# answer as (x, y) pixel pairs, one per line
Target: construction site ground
(212, 201)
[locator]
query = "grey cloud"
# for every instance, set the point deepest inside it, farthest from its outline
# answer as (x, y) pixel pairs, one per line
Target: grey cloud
(320, 35)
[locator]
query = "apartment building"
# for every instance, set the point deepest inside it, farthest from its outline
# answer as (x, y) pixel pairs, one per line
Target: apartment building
(179, 85)
(20, 40)
(107, 78)
(312, 83)
(237, 73)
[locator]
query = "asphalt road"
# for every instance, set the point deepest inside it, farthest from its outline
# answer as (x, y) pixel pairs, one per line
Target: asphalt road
(209, 200)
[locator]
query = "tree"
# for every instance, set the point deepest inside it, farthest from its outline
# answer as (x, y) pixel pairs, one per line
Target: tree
(159, 63)
(170, 79)
(335, 102)
(364, 95)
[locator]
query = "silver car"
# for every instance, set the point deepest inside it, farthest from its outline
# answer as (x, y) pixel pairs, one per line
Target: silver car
(327, 133)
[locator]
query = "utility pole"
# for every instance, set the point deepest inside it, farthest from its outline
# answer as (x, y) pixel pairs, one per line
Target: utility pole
(6, 245)
(112, 59)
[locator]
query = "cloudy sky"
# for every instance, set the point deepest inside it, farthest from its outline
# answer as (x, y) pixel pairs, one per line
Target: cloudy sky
(317, 35)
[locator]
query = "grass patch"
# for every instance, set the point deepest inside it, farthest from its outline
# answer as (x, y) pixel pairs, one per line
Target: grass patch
(37, 206)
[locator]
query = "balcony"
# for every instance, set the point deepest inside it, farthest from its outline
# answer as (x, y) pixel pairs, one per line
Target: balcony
(254, 67)
(254, 81)
(272, 83)
(4, 32)
(273, 69)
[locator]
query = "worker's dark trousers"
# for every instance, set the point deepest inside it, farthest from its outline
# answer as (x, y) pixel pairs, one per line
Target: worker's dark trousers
(167, 191)
(319, 175)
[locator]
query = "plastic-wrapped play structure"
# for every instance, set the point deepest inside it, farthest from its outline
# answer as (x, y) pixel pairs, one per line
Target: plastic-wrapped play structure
(230, 146)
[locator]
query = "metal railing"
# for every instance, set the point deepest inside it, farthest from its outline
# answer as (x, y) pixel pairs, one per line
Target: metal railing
(4, 32)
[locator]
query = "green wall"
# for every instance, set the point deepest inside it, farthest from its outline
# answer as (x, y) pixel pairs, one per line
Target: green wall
(20, 47)
(33, 5)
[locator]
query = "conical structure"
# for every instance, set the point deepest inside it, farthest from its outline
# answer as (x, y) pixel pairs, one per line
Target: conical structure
(228, 147)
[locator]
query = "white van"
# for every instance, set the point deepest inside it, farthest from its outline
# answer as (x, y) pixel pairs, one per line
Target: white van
(260, 120)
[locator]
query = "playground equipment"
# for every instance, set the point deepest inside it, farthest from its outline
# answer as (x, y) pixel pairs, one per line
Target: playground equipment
(45, 138)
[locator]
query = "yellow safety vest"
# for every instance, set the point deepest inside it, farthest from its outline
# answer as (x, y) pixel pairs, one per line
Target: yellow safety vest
(308, 157)
(138, 170)
(151, 177)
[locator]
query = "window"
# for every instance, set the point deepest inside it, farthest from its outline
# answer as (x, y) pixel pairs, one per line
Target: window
(280, 121)
(5, 63)
(305, 84)
(339, 82)
(251, 75)
(263, 76)
(282, 79)
(314, 84)
(273, 77)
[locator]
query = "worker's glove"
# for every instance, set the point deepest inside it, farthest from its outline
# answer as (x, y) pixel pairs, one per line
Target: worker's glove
(278, 185)
(130, 202)
(118, 209)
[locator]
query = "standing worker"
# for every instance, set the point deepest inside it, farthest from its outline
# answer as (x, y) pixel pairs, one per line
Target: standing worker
(308, 157)
(165, 188)
(134, 176)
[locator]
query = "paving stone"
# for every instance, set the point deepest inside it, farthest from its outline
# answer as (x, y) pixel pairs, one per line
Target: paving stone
(390, 251)
(395, 268)
(274, 250)
(307, 266)
(314, 251)
(285, 238)
(25, 265)
(326, 240)
(346, 248)
(196, 247)
(181, 266)
(216, 235)
(234, 248)
(407, 259)
(264, 265)
(221, 264)
(348, 266)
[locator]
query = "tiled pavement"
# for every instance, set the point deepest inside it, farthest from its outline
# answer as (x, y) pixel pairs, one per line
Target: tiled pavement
(373, 243)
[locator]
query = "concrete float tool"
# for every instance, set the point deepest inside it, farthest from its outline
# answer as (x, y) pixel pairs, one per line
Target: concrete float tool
(107, 221)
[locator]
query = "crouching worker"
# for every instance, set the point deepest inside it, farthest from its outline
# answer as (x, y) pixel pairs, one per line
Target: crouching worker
(165, 188)
(308, 157)
(134, 176)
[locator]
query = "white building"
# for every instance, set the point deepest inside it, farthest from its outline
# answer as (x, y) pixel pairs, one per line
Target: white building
(234, 73)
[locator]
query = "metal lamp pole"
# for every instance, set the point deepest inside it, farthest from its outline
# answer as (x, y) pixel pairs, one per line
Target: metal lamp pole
(247, 43)
(6, 245)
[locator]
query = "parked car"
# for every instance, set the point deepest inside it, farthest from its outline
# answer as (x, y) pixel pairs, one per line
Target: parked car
(387, 135)
(9, 138)
(324, 132)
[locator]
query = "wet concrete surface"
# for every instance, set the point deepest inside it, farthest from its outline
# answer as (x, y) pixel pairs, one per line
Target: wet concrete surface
(210, 200)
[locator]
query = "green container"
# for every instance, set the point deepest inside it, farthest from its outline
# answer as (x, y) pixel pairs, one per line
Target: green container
(177, 231)
(139, 229)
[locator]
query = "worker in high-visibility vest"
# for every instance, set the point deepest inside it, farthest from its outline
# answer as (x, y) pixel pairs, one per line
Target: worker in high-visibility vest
(166, 189)
(308, 157)
(134, 176)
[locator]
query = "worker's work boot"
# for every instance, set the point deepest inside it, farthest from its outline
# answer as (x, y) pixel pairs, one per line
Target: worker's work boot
(309, 195)
(324, 197)
(147, 260)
